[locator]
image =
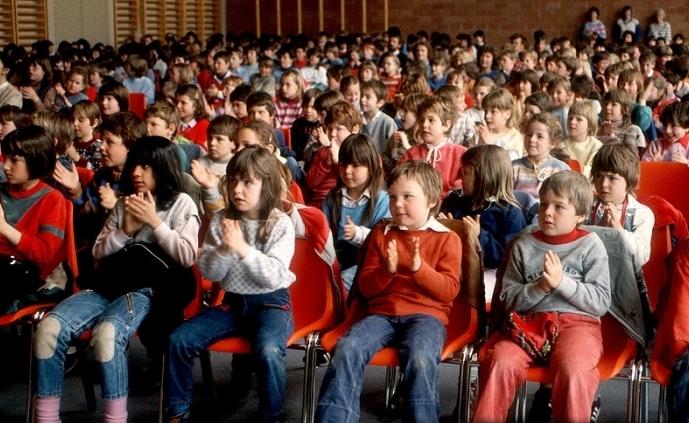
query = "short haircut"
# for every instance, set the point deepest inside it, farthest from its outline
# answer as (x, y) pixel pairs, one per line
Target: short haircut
(264, 132)
(344, 114)
(551, 123)
(571, 63)
(377, 87)
(425, 175)
(117, 91)
(223, 125)
(261, 98)
(326, 100)
(412, 102)
(559, 82)
(59, 126)
(618, 158)
(585, 109)
(348, 81)
(125, 125)
(676, 114)
(86, 108)
(571, 185)
(538, 99)
(622, 98)
(9, 113)
(241, 93)
(582, 86)
(35, 144)
(196, 96)
(440, 106)
(530, 76)
(164, 111)
(138, 65)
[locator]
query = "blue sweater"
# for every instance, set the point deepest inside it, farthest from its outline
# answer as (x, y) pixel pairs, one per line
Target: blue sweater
(499, 224)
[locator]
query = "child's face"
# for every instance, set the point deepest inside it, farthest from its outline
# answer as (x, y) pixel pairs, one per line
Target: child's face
(486, 61)
(265, 71)
(560, 97)
(286, 61)
(251, 56)
(459, 102)
(288, 88)
(245, 195)
(602, 65)
(648, 67)
(310, 112)
(409, 205)
(530, 63)
(557, 214)
(562, 69)
(537, 141)
(95, 79)
(354, 177)
(16, 170)
(524, 89)
(235, 61)
(260, 113)
(143, 179)
(300, 53)
(612, 111)
(109, 105)
(611, 81)
(83, 127)
(480, 92)
(674, 132)
(422, 53)
(185, 108)
(578, 126)
(221, 66)
(408, 119)
(468, 179)
(6, 128)
(245, 138)
(611, 188)
(352, 94)
(366, 74)
(239, 108)
(113, 151)
(369, 102)
(156, 126)
(496, 119)
(75, 84)
(551, 66)
(530, 110)
(629, 87)
(506, 63)
(220, 147)
(337, 133)
(390, 66)
(433, 129)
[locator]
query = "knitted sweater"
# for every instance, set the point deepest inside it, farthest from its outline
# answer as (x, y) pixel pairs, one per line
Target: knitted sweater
(447, 161)
(430, 290)
(380, 128)
(585, 285)
(286, 112)
(666, 149)
(196, 132)
(511, 140)
(321, 177)
(583, 152)
(266, 266)
(529, 177)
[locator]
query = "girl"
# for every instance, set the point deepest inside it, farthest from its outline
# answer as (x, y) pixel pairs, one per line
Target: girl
(357, 202)
(481, 89)
(543, 133)
(11, 118)
(60, 97)
(192, 114)
(487, 204)
(32, 216)
(248, 250)
(288, 105)
(527, 83)
(631, 81)
(151, 236)
(617, 124)
(536, 103)
(39, 77)
(113, 98)
(497, 127)
(391, 75)
(367, 71)
(303, 128)
(582, 145)
(405, 138)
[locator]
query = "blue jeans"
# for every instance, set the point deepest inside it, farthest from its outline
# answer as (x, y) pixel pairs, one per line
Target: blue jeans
(678, 390)
(419, 339)
(113, 322)
(265, 319)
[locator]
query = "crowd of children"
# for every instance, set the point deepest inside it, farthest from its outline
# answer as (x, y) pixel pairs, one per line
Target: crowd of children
(382, 134)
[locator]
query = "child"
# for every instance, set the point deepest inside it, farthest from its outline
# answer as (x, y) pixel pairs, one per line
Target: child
(303, 128)
(582, 144)
(617, 125)
(313, 73)
(367, 71)
(113, 98)
(542, 134)
(162, 121)
(9, 94)
(439, 64)
(220, 145)
(358, 201)
(351, 90)
(481, 89)
(264, 81)
(403, 139)
(237, 103)
(11, 118)
(674, 145)
(247, 250)
(487, 203)
(562, 98)
(498, 127)
(391, 76)
(260, 106)
(632, 82)
(127, 287)
(562, 270)
(342, 121)
(59, 97)
(435, 120)
(536, 103)
(409, 278)
(463, 128)
(32, 216)
(376, 124)
(86, 118)
(137, 81)
(615, 174)
(288, 104)
(192, 114)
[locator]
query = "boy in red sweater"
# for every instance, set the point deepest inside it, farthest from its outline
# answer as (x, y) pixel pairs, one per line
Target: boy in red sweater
(408, 281)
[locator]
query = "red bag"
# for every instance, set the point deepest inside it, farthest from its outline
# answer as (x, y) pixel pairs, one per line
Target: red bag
(536, 333)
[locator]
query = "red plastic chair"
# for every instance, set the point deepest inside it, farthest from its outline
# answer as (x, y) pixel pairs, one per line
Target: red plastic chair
(287, 134)
(137, 104)
(665, 179)
(574, 165)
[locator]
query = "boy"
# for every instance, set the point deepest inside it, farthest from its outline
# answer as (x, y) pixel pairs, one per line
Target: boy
(264, 81)
(409, 278)
(615, 175)
(376, 124)
(674, 145)
(220, 145)
(435, 117)
(439, 64)
(162, 120)
(562, 270)
(238, 99)
(463, 128)
(86, 118)
(562, 98)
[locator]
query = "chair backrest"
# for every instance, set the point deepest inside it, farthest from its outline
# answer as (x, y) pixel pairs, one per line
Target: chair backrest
(574, 165)
(666, 180)
(655, 272)
(196, 304)
(137, 104)
(287, 134)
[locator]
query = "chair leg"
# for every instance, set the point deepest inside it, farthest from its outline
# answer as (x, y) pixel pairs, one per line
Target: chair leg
(161, 394)
(29, 388)
(662, 404)
(520, 404)
(308, 409)
(207, 373)
(464, 387)
(391, 380)
(644, 380)
(633, 392)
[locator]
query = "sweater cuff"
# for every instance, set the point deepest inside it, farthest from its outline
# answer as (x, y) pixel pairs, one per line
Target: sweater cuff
(360, 234)
(567, 288)
(162, 232)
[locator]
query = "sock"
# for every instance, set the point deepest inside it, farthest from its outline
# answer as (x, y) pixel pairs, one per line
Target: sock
(115, 410)
(47, 409)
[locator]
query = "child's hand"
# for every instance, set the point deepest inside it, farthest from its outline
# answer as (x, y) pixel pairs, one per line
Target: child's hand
(334, 152)
(143, 208)
(203, 175)
(442, 215)
(403, 139)
(391, 260)
(108, 199)
(68, 178)
(212, 91)
(658, 156)
(483, 133)
(612, 217)
(552, 271)
(608, 129)
(349, 229)
(30, 93)
(321, 136)
(59, 90)
(473, 225)
(416, 255)
(72, 153)
(130, 224)
(233, 237)
(678, 157)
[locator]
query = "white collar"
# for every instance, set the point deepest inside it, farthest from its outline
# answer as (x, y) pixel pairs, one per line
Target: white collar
(432, 224)
(366, 194)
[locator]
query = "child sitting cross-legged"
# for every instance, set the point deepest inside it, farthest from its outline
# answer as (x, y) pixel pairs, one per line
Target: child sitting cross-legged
(558, 272)
(409, 278)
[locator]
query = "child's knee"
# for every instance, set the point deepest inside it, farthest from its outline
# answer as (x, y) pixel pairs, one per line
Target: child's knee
(45, 339)
(103, 342)
(270, 351)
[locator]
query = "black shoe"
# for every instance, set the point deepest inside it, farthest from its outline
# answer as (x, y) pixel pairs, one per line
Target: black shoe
(541, 408)
(595, 409)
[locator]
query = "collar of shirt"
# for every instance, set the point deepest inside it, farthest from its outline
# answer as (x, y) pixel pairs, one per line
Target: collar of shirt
(348, 201)
(366, 122)
(188, 125)
(432, 224)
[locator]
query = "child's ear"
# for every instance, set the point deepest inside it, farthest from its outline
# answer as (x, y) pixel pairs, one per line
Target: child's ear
(381, 103)
(271, 148)
(95, 123)
(355, 129)
(581, 219)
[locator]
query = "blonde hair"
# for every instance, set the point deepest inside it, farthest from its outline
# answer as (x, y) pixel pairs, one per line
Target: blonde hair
(425, 175)
(492, 170)
(298, 80)
(500, 99)
(585, 109)
(571, 185)
(440, 106)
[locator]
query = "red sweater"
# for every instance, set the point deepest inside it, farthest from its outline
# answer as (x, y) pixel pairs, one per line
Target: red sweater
(430, 290)
(40, 215)
(321, 177)
(197, 134)
(448, 163)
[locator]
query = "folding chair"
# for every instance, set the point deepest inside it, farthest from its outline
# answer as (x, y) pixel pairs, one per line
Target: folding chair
(574, 165)
(137, 104)
(663, 179)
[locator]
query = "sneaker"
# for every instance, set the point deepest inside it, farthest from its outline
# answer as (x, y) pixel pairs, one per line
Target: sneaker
(541, 408)
(595, 410)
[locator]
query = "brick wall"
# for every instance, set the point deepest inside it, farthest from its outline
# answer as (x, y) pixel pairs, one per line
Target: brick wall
(499, 19)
